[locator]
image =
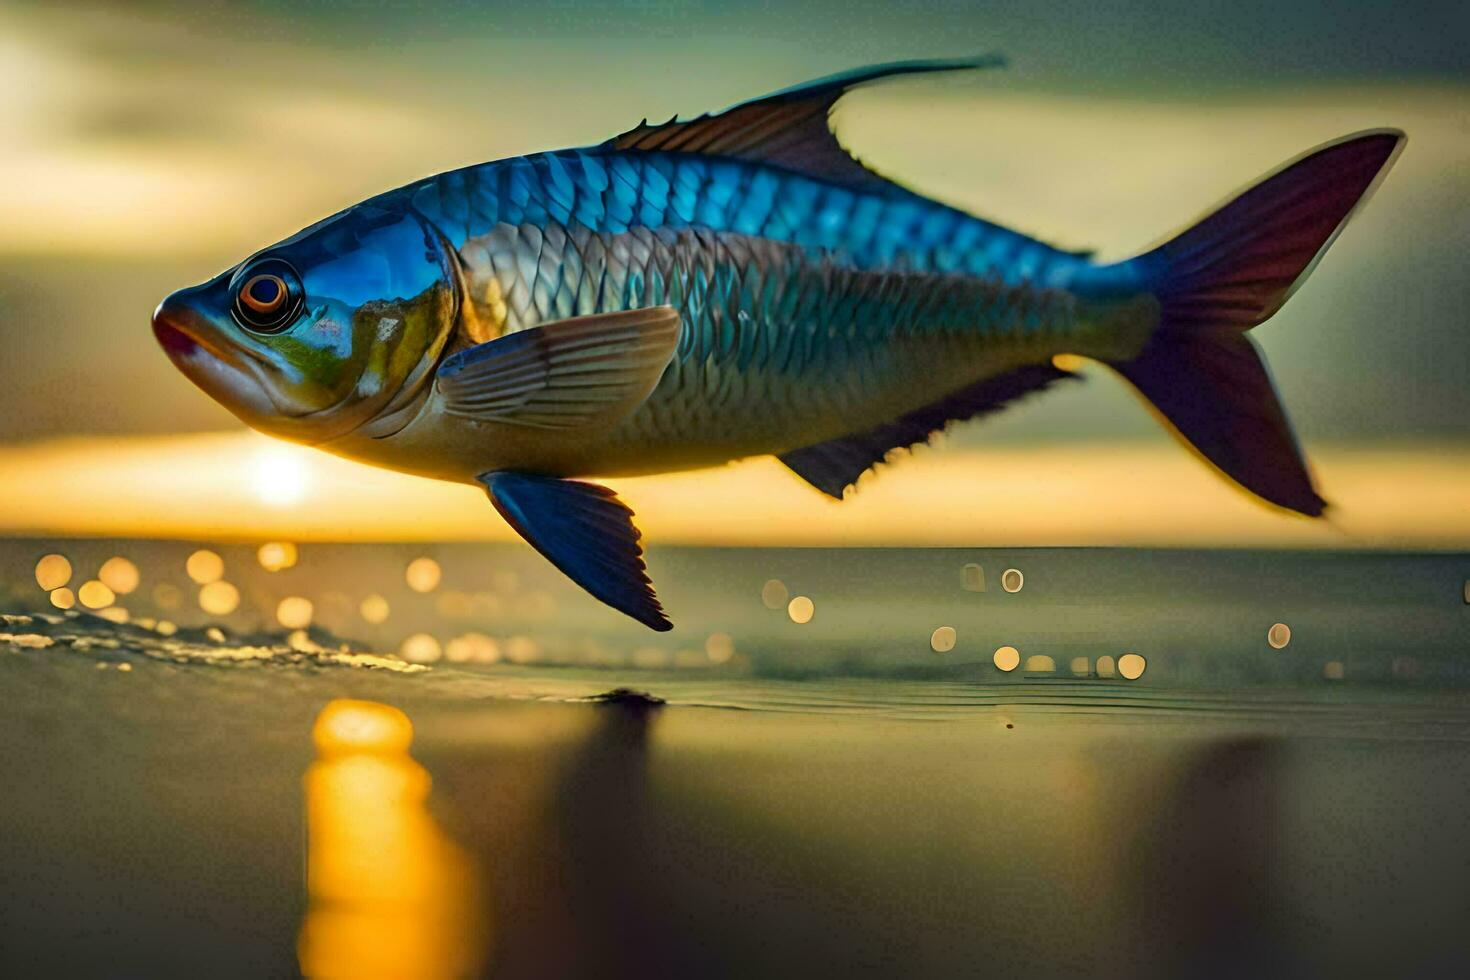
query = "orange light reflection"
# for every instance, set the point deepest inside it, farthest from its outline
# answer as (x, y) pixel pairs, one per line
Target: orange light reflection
(390, 895)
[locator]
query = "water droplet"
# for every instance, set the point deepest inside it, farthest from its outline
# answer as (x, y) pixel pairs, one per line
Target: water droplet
(1279, 636)
(1012, 580)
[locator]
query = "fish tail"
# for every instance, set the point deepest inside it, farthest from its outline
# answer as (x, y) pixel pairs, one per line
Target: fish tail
(1228, 273)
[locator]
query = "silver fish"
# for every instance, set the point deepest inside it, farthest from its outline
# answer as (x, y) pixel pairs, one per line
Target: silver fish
(729, 286)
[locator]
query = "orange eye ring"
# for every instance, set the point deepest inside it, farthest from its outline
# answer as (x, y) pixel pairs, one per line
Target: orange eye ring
(268, 296)
(264, 293)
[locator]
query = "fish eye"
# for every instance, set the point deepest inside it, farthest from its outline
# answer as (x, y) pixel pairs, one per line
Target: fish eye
(268, 296)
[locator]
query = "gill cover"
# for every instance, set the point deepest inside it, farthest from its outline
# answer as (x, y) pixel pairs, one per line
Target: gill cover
(336, 326)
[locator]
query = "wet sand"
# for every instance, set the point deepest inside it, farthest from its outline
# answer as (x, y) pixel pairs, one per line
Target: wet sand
(171, 818)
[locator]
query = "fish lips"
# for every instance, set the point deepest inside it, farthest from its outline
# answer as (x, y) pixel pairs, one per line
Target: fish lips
(227, 372)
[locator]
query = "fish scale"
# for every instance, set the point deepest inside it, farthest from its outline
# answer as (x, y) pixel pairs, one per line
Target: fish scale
(815, 334)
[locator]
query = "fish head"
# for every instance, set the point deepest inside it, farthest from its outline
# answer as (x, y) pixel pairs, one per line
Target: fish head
(315, 336)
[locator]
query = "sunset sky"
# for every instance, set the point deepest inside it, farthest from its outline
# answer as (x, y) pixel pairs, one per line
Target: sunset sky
(147, 150)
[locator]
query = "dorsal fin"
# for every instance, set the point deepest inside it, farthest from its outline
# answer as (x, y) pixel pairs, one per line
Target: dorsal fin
(789, 129)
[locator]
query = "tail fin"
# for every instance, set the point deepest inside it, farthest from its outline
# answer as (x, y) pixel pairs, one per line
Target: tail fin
(1225, 275)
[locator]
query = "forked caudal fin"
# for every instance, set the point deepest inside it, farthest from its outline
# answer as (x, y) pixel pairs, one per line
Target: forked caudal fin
(1225, 275)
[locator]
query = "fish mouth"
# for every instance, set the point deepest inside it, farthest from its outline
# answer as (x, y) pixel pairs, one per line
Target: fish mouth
(175, 342)
(226, 372)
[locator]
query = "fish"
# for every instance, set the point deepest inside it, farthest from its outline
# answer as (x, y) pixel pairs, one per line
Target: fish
(733, 285)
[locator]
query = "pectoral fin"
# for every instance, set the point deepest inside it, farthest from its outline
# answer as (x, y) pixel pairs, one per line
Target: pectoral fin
(563, 374)
(587, 532)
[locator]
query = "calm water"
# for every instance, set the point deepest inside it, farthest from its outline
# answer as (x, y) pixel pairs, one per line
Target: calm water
(191, 794)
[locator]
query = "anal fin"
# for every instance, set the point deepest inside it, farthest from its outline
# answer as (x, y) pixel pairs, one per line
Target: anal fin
(835, 465)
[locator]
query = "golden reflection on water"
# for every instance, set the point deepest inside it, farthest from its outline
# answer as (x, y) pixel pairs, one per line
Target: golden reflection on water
(389, 894)
(276, 555)
(52, 572)
(801, 609)
(119, 575)
(204, 567)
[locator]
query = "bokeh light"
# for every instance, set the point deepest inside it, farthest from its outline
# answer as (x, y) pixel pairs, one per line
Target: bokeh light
(801, 609)
(219, 598)
(1132, 666)
(119, 575)
(1080, 666)
(1006, 658)
(420, 648)
(1106, 667)
(63, 598)
(1332, 670)
(972, 577)
(374, 609)
(294, 612)
(301, 642)
(1040, 663)
(774, 594)
(276, 555)
(1012, 580)
(942, 640)
(204, 567)
(95, 595)
(116, 614)
(719, 648)
(52, 572)
(422, 575)
(454, 604)
(1279, 635)
(521, 649)
(472, 648)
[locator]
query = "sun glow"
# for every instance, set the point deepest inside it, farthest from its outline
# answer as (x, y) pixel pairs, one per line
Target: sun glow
(241, 486)
(279, 475)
